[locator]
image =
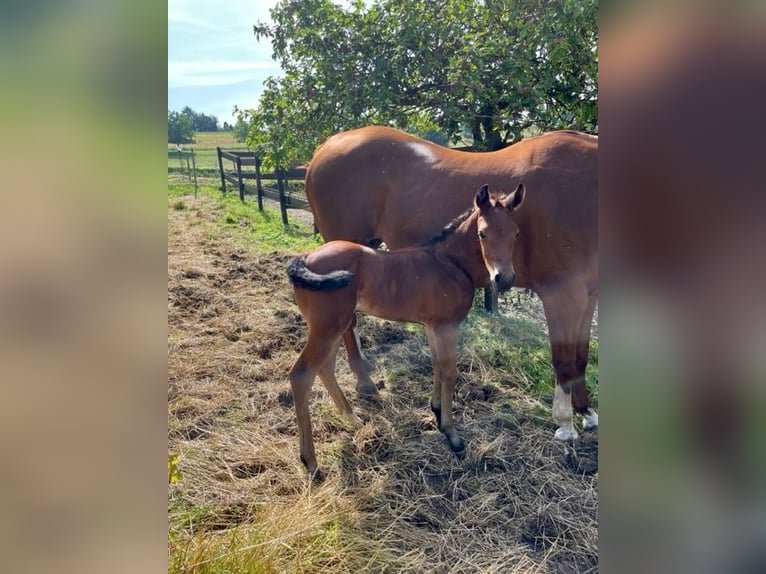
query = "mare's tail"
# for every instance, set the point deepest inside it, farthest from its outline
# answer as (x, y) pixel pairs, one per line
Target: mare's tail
(303, 277)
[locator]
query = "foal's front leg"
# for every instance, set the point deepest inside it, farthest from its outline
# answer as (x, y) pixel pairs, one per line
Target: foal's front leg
(443, 342)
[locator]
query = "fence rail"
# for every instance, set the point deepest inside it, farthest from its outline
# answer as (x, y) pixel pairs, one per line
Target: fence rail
(278, 190)
(191, 169)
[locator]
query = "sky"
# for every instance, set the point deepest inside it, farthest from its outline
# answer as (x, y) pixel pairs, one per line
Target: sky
(214, 60)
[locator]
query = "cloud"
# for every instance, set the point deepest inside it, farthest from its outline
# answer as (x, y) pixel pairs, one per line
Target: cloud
(216, 73)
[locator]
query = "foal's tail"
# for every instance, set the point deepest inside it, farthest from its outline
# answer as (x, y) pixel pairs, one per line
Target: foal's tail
(303, 277)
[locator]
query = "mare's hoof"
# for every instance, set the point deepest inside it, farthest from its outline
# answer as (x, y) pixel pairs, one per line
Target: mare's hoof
(590, 420)
(566, 434)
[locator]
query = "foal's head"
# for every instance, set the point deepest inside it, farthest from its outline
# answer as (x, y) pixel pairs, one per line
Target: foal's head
(498, 233)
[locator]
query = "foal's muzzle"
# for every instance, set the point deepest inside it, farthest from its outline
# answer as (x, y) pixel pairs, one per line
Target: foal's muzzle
(503, 281)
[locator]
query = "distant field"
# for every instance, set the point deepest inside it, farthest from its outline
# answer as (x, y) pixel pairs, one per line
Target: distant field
(203, 140)
(204, 152)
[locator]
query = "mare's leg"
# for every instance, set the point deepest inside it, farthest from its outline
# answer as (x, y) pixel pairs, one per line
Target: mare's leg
(564, 309)
(327, 376)
(360, 366)
(443, 342)
(580, 400)
(311, 360)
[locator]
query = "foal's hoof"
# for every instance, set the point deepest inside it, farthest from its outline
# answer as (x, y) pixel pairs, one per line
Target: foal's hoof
(317, 476)
(367, 390)
(455, 442)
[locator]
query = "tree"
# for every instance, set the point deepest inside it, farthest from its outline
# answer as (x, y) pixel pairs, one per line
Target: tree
(180, 129)
(498, 68)
(242, 126)
(201, 122)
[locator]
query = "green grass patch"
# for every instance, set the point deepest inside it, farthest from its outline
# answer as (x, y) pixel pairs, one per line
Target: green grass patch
(312, 534)
(516, 346)
(260, 231)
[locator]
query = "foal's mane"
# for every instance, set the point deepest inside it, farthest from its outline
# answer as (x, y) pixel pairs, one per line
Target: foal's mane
(448, 229)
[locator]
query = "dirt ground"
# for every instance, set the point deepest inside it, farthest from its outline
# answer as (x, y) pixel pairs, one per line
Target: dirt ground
(515, 501)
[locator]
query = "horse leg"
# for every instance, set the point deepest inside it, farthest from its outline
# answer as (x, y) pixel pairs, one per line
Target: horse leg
(360, 366)
(310, 361)
(327, 376)
(580, 400)
(443, 343)
(354, 347)
(564, 309)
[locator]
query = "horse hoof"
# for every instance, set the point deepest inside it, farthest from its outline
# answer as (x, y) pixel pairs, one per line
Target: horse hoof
(317, 476)
(455, 443)
(566, 434)
(590, 420)
(369, 390)
(353, 420)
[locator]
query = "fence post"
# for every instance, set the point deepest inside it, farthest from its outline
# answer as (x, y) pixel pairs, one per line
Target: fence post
(239, 180)
(282, 198)
(194, 165)
(490, 299)
(258, 182)
(220, 168)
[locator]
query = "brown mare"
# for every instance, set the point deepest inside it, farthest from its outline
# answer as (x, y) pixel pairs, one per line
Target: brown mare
(433, 284)
(378, 184)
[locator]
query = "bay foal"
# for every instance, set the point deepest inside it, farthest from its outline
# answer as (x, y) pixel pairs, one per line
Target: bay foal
(432, 285)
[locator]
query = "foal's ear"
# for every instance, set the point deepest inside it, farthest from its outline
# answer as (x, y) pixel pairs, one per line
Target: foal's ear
(514, 201)
(482, 197)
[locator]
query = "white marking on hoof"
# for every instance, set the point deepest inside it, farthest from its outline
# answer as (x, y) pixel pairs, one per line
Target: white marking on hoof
(590, 421)
(566, 433)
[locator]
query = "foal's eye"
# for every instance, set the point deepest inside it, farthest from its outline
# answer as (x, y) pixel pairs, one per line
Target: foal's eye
(482, 235)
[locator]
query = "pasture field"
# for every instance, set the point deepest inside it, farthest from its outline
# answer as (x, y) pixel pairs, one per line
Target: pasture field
(205, 153)
(395, 499)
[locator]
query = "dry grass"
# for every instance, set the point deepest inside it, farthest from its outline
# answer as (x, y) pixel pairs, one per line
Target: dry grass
(396, 499)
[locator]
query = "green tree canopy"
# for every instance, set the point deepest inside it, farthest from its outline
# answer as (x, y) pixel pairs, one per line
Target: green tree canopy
(201, 122)
(493, 69)
(180, 129)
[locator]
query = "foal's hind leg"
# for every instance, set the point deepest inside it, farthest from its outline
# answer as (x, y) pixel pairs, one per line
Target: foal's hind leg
(311, 360)
(327, 376)
(354, 347)
(360, 366)
(564, 309)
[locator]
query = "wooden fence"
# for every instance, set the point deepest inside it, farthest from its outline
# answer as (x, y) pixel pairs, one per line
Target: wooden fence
(191, 169)
(238, 175)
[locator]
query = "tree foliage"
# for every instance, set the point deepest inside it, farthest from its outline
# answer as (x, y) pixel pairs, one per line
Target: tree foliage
(180, 129)
(492, 69)
(201, 122)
